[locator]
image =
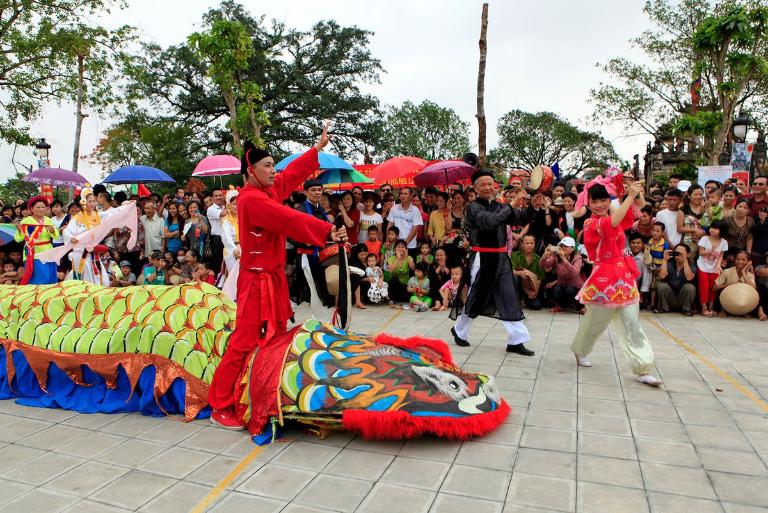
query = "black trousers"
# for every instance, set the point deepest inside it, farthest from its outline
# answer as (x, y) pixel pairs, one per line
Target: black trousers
(565, 297)
(217, 253)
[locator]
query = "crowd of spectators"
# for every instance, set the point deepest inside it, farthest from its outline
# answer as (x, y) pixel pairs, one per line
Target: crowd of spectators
(408, 247)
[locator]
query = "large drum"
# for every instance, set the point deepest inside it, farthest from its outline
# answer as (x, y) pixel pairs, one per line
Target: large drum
(739, 299)
(542, 178)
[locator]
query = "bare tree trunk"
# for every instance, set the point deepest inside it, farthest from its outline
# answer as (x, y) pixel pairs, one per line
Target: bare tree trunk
(722, 134)
(481, 128)
(79, 111)
(237, 144)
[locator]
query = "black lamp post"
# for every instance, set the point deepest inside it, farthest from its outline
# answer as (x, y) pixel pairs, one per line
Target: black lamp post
(42, 148)
(740, 127)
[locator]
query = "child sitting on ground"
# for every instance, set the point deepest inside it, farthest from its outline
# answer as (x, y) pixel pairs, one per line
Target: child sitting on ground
(127, 279)
(425, 254)
(418, 286)
(388, 249)
(379, 291)
(450, 288)
(203, 274)
(656, 248)
(154, 273)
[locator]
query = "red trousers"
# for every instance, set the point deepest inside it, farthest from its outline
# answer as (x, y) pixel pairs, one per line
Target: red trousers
(262, 312)
(706, 287)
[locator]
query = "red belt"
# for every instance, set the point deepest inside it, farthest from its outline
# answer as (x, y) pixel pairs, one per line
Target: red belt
(478, 249)
(305, 251)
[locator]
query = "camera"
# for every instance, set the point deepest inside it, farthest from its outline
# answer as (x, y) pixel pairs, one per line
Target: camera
(674, 253)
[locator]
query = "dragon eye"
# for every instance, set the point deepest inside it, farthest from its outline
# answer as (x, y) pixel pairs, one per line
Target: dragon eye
(453, 385)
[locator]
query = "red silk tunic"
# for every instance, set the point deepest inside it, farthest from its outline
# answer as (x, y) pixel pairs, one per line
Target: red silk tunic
(613, 282)
(264, 223)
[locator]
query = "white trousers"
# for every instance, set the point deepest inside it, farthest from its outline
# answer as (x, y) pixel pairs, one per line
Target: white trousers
(517, 333)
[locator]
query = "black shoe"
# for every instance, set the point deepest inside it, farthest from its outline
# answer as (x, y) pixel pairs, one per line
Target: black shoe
(520, 349)
(458, 340)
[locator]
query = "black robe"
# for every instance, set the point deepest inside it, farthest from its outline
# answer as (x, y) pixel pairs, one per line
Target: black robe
(300, 291)
(493, 292)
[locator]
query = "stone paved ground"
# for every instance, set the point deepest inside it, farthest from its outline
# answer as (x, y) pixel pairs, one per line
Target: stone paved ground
(588, 440)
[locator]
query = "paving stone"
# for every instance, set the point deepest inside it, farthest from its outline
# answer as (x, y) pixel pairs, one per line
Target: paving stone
(607, 445)
(212, 439)
(131, 424)
(179, 498)
(654, 430)
(176, 462)
(431, 449)
(22, 428)
(90, 446)
(170, 432)
(541, 491)
(42, 469)
(546, 463)
(475, 482)
(551, 419)
(10, 490)
(506, 434)
(601, 498)
(86, 478)
(53, 437)
(241, 502)
(668, 453)
(550, 439)
(664, 503)
(610, 471)
(360, 464)
(88, 506)
(446, 503)
(604, 424)
(132, 453)
(736, 488)
(307, 455)
(387, 498)
(416, 473)
(725, 460)
(725, 438)
(39, 500)
(133, 490)
(692, 482)
(335, 493)
(277, 482)
(485, 455)
(13, 455)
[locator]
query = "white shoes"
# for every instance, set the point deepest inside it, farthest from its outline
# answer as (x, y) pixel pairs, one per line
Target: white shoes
(649, 380)
(582, 361)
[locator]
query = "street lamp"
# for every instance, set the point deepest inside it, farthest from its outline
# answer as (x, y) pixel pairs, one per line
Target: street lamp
(740, 126)
(42, 152)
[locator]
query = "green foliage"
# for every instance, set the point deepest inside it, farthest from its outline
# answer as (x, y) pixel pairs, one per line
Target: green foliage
(528, 139)
(303, 77)
(38, 40)
(723, 45)
(14, 188)
(426, 130)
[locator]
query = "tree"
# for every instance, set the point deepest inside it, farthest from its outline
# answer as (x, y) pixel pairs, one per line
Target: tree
(529, 139)
(426, 130)
(227, 50)
(303, 76)
(15, 188)
(35, 38)
(481, 126)
(708, 61)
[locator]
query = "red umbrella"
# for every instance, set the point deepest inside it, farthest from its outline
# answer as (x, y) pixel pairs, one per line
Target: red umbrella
(444, 173)
(398, 171)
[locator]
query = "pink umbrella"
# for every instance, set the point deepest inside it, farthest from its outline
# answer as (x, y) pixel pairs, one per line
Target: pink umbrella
(217, 165)
(398, 171)
(443, 173)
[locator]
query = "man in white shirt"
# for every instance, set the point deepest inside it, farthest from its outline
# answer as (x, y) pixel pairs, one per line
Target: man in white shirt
(407, 218)
(215, 213)
(672, 218)
(153, 228)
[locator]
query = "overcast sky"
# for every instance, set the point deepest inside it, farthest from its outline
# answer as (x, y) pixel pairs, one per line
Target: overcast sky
(541, 56)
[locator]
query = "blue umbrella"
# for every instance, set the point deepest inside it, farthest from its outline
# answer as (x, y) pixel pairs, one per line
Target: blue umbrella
(327, 161)
(138, 174)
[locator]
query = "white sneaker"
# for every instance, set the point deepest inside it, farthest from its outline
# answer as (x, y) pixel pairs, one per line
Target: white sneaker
(582, 361)
(649, 380)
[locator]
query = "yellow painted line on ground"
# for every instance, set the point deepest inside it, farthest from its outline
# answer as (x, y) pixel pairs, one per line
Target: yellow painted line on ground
(727, 377)
(217, 490)
(390, 320)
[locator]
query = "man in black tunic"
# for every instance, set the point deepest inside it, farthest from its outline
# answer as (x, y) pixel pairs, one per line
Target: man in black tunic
(307, 256)
(491, 286)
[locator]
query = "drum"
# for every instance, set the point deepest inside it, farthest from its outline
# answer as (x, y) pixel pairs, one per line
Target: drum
(739, 299)
(542, 178)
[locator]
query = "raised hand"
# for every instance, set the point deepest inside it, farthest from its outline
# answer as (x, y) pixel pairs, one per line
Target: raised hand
(324, 137)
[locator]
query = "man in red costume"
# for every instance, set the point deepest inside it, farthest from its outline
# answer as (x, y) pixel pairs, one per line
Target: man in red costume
(263, 307)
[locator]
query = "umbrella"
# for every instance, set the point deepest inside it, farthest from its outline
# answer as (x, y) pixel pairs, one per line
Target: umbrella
(327, 161)
(217, 165)
(7, 231)
(398, 170)
(444, 173)
(138, 174)
(345, 176)
(56, 177)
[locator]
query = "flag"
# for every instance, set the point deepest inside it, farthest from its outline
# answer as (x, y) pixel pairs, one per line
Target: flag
(695, 95)
(143, 192)
(556, 170)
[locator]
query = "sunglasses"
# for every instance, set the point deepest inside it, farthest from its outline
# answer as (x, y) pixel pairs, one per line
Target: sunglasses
(758, 183)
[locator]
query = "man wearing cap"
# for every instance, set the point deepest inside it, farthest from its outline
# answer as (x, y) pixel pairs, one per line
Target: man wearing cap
(307, 254)
(263, 307)
(491, 285)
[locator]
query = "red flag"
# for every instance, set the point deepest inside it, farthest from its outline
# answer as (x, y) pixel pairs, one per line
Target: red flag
(143, 191)
(695, 95)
